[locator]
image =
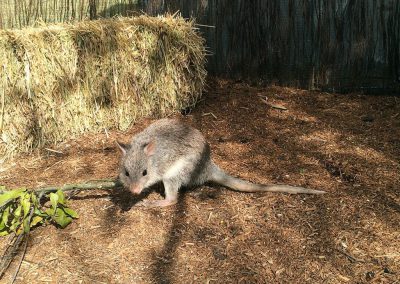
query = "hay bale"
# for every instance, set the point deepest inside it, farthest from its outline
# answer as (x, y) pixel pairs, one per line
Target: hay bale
(59, 81)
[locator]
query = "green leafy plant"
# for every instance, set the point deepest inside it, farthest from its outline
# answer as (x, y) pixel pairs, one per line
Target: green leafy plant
(20, 210)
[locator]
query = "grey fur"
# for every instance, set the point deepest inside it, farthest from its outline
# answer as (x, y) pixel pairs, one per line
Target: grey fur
(178, 155)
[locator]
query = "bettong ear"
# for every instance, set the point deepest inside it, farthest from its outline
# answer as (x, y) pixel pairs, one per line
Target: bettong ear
(150, 148)
(123, 147)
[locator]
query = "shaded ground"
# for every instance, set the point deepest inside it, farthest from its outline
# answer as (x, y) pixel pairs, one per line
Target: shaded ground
(347, 145)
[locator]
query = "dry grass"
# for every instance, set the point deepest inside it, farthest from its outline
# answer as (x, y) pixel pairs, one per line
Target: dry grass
(59, 81)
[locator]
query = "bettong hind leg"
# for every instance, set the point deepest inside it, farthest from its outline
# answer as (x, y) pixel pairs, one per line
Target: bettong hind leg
(171, 196)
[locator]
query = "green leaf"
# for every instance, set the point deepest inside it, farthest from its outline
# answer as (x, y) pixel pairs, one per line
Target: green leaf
(53, 200)
(26, 225)
(4, 218)
(14, 225)
(4, 233)
(10, 195)
(41, 213)
(50, 212)
(26, 204)
(61, 219)
(61, 197)
(36, 220)
(34, 199)
(71, 212)
(5, 215)
(19, 230)
(17, 212)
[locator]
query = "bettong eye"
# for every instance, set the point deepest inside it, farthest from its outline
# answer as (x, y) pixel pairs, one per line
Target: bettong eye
(144, 173)
(126, 173)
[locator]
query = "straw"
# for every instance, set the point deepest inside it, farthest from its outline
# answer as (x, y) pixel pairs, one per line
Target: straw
(59, 81)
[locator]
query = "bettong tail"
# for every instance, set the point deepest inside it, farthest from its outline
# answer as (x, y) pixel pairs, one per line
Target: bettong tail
(220, 177)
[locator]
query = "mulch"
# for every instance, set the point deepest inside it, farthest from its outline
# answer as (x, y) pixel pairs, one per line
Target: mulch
(345, 144)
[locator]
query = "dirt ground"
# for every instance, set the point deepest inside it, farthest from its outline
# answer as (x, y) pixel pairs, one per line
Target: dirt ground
(347, 145)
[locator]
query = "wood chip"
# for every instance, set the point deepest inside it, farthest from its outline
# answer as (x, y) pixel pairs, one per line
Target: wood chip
(279, 271)
(280, 107)
(344, 278)
(210, 113)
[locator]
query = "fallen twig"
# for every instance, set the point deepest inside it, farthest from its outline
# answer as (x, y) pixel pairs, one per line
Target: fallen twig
(349, 256)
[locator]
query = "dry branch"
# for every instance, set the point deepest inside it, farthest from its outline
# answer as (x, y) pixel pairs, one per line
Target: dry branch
(95, 184)
(10, 253)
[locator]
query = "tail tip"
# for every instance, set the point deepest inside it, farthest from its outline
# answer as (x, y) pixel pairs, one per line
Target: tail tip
(318, 191)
